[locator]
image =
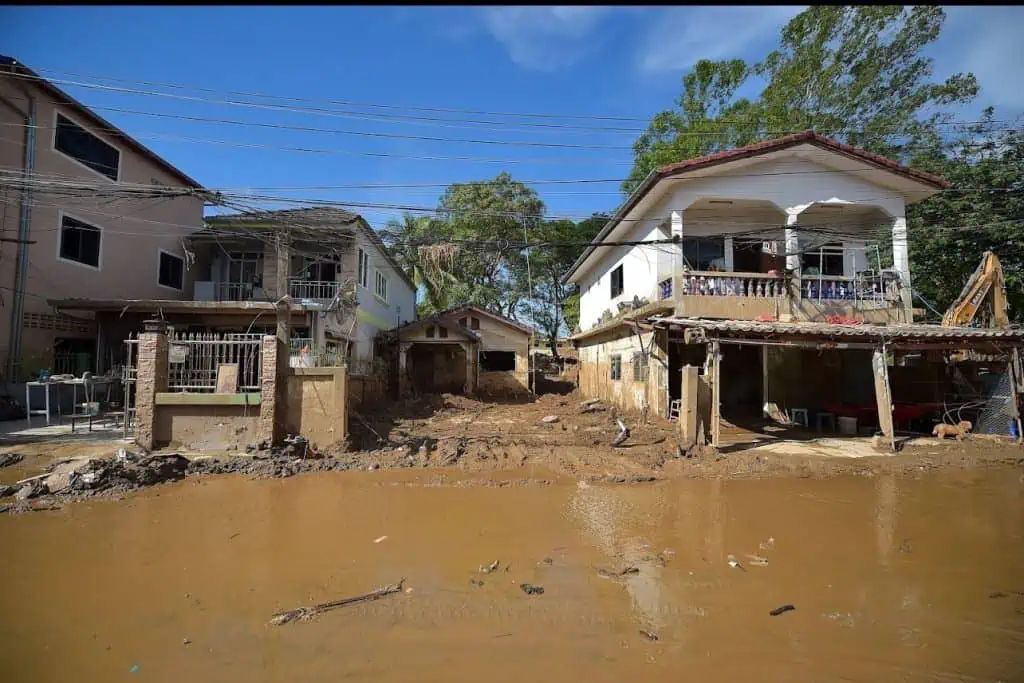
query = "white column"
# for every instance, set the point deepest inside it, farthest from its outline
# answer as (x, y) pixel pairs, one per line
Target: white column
(677, 233)
(792, 243)
(728, 255)
(901, 260)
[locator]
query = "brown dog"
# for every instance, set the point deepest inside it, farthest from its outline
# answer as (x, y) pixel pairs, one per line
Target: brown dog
(943, 430)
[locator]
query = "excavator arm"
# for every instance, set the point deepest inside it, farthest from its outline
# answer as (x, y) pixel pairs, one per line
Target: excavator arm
(986, 283)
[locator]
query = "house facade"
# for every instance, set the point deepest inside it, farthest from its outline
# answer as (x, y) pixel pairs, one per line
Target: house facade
(785, 231)
(464, 350)
(68, 229)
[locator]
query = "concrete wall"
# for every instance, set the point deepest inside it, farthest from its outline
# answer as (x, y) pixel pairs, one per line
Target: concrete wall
(374, 314)
(496, 335)
(316, 404)
(793, 181)
(366, 390)
(626, 393)
(132, 231)
(206, 427)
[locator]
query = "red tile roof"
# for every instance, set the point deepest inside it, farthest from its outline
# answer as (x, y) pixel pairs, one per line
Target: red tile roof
(807, 137)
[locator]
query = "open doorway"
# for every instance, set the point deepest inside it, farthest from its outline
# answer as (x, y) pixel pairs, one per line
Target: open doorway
(437, 368)
(742, 383)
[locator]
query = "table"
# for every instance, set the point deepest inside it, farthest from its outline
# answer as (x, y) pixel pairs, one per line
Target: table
(28, 401)
(73, 383)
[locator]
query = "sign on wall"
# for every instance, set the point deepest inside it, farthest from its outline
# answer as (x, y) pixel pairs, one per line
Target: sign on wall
(177, 353)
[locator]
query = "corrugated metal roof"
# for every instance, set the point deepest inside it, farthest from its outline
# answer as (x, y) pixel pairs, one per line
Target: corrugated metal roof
(828, 330)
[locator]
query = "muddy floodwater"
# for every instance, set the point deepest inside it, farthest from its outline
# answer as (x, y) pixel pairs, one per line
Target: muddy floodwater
(908, 578)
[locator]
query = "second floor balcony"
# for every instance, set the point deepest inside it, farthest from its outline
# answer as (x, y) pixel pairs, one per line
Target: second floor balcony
(319, 291)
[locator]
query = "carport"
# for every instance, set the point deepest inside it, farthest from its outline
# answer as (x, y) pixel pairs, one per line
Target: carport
(436, 356)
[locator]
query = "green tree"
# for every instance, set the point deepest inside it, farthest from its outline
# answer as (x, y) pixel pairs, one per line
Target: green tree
(855, 73)
(554, 306)
(402, 238)
(949, 232)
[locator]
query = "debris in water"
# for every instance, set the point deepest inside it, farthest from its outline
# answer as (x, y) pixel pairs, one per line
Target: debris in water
(622, 435)
(548, 560)
(782, 610)
(734, 564)
(9, 459)
(549, 419)
(475, 582)
(134, 669)
(382, 538)
(769, 544)
(612, 574)
(307, 613)
(758, 561)
(649, 635)
(186, 641)
(487, 569)
(531, 589)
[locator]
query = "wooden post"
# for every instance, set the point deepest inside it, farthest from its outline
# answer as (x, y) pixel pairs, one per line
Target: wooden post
(883, 396)
(688, 408)
(1014, 391)
(714, 370)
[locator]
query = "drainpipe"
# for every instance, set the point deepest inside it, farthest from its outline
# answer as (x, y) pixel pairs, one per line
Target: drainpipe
(25, 220)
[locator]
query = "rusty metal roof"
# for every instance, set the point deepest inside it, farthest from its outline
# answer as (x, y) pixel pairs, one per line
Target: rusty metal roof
(754, 328)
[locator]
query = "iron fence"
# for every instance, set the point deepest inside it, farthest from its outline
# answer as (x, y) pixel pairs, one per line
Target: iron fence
(305, 353)
(194, 359)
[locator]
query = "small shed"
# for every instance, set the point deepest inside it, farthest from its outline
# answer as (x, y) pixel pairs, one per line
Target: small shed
(465, 350)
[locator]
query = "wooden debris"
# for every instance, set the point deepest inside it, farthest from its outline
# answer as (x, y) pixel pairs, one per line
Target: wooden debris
(307, 613)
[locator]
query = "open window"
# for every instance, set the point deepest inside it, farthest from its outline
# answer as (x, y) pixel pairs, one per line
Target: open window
(617, 282)
(497, 361)
(825, 259)
(615, 368)
(172, 270)
(704, 253)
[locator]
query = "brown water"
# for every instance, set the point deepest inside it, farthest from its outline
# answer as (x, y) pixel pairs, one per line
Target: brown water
(891, 579)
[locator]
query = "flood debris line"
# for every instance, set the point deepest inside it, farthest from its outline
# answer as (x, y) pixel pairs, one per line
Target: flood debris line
(782, 610)
(531, 589)
(614, 574)
(307, 613)
(8, 459)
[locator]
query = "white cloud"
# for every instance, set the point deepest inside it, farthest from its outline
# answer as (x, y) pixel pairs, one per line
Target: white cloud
(683, 35)
(987, 42)
(544, 38)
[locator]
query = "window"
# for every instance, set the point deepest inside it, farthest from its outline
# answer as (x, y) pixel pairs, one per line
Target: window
(171, 270)
(380, 286)
(497, 361)
(639, 367)
(442, 332)
(362, 268)
(615, 369)
(79, 242)
(430, 332)
(826, 259)
(617, 282)
(76, 142)
(474, 323)
(704, 253)
(322, 270)
(463, 321)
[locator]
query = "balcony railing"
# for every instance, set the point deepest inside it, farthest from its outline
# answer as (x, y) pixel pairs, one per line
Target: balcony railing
(241, 291)
(864, 288)
(714, 283)
(313, 289)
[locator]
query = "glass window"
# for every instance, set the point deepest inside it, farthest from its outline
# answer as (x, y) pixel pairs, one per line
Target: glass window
(79, 242)
(76, 142)
(617, 282)
(826, 259)
(172, 270)
(616, 367)
(704, 253)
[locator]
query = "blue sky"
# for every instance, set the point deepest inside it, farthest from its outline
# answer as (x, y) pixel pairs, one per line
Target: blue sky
(582, 61)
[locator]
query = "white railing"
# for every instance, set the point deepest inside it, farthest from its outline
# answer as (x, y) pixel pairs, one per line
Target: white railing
(304, 353)
(193, 360)
(713, 283)
(313, 289)
(865, 288)
(229, 291)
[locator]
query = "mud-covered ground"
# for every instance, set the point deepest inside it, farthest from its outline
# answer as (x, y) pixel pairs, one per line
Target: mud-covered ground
(561, 436)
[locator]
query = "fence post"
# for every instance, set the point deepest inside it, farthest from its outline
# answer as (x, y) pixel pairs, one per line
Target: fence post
(269, 404)
(151, 379)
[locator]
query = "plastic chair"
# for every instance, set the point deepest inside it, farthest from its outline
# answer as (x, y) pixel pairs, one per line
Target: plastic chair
(799, 416)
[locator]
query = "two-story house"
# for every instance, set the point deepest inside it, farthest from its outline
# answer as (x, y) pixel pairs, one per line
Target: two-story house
(772, 254)
(70, 230)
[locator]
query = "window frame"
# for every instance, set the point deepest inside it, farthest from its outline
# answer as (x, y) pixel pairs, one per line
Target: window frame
(61, 215)
(429, 332)
(362, 268)
(641, 367)
(474, 323)
(615, 367)
(160, 253)
(53, 146)
(622, 281)
(379, 277)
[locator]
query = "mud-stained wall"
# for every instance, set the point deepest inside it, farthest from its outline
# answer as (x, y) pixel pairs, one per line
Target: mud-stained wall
(206, 427)
(728, 307)
(316, 404)
(627, 392)
(498, 382)
(366, 390)
(499, 336)
(819, 311)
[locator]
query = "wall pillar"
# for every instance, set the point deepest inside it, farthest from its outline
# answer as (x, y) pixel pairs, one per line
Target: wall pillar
(730, 259)
(688, 408)
(340, 403)
(271, 408)
(901, 261)
(403, 369)
(714, 362)
(883, 396)
(151, 379)
(470, 386)
(677, 233)
(792, 242)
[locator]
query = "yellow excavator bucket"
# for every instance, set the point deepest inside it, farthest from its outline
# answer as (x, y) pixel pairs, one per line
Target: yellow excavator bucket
(985, 284)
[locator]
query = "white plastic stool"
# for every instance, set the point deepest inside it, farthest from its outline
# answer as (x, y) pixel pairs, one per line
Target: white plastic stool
(798, 416)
